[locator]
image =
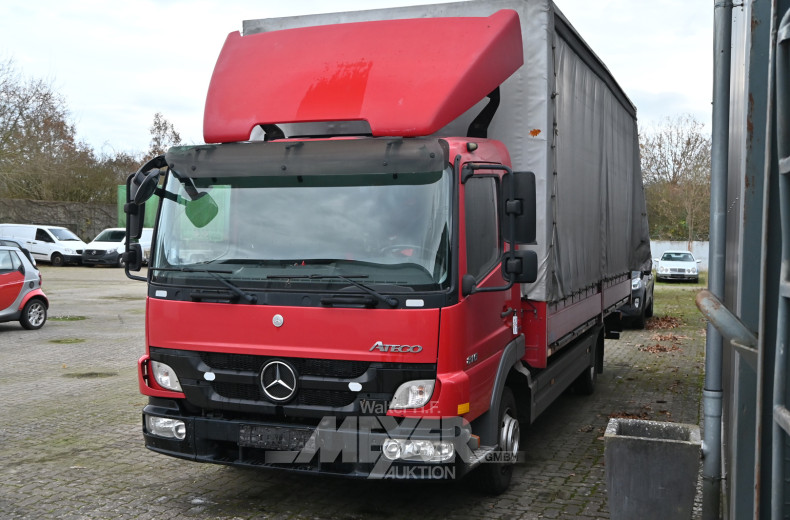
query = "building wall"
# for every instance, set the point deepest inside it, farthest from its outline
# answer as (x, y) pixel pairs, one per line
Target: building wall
(86, 220)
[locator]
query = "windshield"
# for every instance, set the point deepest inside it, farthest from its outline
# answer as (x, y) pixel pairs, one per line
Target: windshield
(111, 235)
(301, 232)
(677, 257)
(63, 234)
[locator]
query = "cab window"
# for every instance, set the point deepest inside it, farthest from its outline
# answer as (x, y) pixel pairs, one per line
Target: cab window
(482, 238)
(43, 236)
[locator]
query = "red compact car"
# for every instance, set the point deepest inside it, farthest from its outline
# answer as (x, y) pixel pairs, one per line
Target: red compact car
(21, 297)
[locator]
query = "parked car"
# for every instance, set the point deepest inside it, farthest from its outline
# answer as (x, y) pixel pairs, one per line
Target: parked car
(109, 245)
(13, 242)
(640, 307)
(677, 265)
(54, 244)
(21, 297)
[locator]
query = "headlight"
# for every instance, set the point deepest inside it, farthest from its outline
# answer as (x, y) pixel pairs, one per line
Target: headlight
(663, 269)
(68, 251)
(413, 394)
(164, 427)
(165, 376)
(693, 270)
(636, 283)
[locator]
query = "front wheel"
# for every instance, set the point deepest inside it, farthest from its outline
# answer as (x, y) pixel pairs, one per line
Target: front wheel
(57, 260)
(495, 477)
(34, 315)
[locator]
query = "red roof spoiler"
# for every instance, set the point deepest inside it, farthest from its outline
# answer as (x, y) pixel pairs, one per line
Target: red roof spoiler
(404, 77)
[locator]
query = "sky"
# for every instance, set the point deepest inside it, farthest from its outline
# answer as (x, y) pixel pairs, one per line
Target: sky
(117, 63)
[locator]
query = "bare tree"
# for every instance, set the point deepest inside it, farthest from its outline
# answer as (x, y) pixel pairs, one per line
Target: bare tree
(40, 155)
(675, 158)
(163, 135)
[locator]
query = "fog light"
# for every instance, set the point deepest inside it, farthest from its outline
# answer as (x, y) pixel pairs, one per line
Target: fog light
(422, 450)
(636, 303)
(391, 449)
(418, 450)
(164, 427)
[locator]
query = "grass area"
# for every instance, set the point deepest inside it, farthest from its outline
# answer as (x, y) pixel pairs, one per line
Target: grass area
(677, 299)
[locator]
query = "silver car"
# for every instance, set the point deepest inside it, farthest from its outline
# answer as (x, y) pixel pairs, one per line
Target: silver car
(677, 265)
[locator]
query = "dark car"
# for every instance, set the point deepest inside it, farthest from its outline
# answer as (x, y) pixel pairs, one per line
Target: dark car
(640, 307)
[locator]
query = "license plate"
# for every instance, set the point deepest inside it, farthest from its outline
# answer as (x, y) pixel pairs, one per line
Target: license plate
(274, 437)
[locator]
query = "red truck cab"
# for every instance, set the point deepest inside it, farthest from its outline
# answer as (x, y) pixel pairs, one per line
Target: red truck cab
(340, 284)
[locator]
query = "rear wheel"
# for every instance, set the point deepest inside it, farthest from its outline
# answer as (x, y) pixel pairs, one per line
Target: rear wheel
(57, 260)
(34, 315)
(495, 477)
(585, 383)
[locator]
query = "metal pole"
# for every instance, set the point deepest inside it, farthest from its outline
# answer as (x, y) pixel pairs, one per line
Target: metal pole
(713, 393)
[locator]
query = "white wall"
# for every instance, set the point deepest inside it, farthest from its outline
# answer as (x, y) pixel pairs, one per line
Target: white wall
(698, 249)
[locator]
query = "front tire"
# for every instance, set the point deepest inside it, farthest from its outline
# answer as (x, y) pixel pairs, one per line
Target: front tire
(495, 477)
(639, 321)
(57, 260)
(649, 308)
(34, 315)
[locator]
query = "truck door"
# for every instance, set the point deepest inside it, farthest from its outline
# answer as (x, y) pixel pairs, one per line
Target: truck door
(487, 331)
(11, 279)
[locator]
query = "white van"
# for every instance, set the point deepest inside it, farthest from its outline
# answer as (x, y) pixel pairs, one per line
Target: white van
(109, 245)
(54, 244)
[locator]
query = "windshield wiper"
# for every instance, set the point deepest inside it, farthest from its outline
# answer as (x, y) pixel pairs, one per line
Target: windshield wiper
(246, 297)
(387, 300)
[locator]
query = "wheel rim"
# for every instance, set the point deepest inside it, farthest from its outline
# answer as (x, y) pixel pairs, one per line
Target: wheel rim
(35, 315)
(509, 436)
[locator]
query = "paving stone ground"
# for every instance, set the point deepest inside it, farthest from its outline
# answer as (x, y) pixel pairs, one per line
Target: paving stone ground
(71, 446)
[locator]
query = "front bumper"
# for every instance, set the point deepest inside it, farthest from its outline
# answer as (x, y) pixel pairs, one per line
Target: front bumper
(100, 257)
(350, 446)
(677, 276)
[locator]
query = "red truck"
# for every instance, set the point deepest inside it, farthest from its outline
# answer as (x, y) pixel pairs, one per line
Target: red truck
(408, 233)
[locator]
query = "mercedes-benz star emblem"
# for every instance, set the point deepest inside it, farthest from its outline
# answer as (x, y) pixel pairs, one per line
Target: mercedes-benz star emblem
(278, 379)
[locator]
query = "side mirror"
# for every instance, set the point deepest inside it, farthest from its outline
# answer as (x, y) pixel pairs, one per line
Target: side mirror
(201, 210)
(518, 200)
(146, 184)
(467, 284)
(520, 266)
(133, 257)
(135, 215)
(140, 186)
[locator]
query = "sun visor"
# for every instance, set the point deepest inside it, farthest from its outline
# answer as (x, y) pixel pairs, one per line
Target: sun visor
(404, 77)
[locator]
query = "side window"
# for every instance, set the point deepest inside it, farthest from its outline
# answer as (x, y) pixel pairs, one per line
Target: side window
(6, 263)
(16, 263)
(43, 236)
(482, 227)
